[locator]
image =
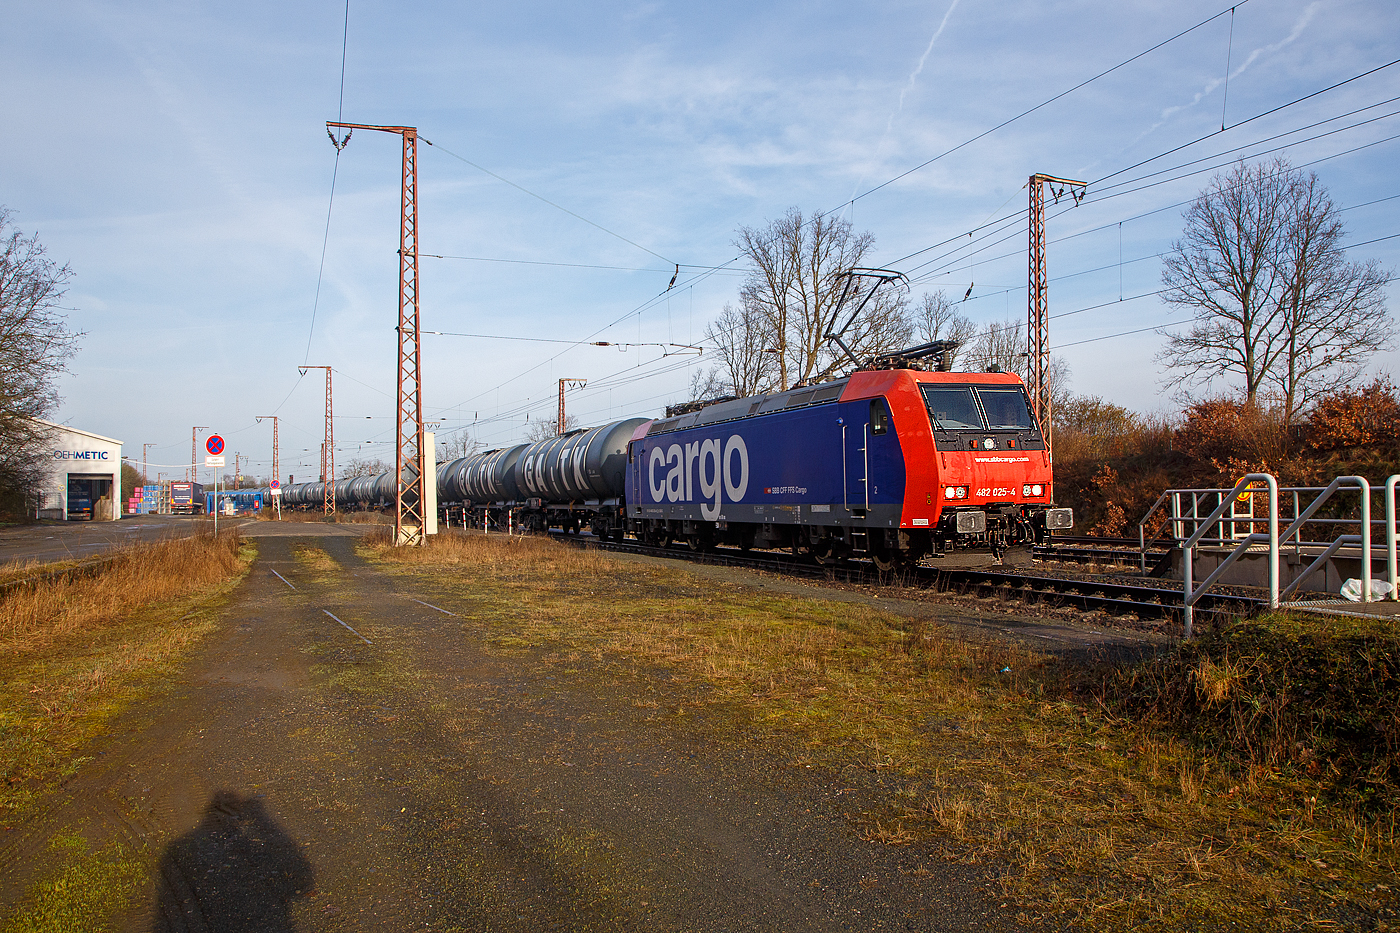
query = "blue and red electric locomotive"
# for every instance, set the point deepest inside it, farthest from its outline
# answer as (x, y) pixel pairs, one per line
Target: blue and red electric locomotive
(893, 464)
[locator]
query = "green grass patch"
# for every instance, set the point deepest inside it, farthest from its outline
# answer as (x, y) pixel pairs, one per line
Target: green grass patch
(87, 889)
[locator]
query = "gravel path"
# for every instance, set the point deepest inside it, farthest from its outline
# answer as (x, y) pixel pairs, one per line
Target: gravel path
(343, 755)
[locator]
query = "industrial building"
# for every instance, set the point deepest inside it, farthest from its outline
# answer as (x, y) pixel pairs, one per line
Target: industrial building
(84, 472)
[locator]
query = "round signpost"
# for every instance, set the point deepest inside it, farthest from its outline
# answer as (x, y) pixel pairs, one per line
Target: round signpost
(215, 445)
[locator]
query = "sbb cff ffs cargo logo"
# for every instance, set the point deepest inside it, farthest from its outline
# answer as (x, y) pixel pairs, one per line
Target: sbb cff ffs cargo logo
(215, 445)
(707, 467)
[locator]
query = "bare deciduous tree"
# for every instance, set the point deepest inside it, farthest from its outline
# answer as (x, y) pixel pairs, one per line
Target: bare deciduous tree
(364, 467)
(457, 445)
(937, 318)
(794, 290)
(35, 345)
(1333, 315)
(544, 430)
(746, 364)
(1260, 263)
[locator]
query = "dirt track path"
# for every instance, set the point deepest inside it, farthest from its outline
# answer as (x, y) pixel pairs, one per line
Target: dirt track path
(302, 776)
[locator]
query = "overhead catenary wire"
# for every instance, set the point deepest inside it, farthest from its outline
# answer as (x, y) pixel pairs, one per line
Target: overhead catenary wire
(1003, 222)
(572, 343)
(553, 204)
(954, 259)
(570, 265)
(335, 172)
(1094, 184)
(1043, 104)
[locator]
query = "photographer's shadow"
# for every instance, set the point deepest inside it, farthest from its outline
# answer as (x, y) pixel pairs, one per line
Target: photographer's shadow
(237, 871)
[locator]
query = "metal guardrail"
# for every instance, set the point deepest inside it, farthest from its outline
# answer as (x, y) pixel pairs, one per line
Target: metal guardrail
(1184, 507)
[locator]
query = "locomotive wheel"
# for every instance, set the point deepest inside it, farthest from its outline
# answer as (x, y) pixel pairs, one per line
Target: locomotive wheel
(885, 561)
(824, 551)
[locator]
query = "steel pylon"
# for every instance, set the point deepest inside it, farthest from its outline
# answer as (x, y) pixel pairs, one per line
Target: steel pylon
(408, 434)
(1037, 310)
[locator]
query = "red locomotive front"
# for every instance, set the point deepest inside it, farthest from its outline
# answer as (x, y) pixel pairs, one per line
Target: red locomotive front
(977, 471)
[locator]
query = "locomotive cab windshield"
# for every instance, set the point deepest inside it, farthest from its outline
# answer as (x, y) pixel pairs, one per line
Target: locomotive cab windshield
(962, 408)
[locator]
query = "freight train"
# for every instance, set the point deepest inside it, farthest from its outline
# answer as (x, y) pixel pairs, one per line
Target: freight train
(893, 464)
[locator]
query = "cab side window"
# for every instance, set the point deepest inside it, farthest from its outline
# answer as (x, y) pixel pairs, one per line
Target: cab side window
(879, 416)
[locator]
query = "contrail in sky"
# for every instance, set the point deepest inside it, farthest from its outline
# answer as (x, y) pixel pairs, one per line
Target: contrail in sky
(909, 86)
(1298, 27)
(913, 76)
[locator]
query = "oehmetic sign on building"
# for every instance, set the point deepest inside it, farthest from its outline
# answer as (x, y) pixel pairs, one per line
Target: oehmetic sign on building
(81, 455)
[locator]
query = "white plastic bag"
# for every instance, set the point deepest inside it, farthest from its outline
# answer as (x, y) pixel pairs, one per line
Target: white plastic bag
(1351, 589)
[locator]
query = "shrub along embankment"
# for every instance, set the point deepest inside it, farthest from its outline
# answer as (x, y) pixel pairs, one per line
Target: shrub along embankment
(1278, 695)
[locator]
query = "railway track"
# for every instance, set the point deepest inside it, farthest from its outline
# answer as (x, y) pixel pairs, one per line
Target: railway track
(1079, 550)
(1104, 594)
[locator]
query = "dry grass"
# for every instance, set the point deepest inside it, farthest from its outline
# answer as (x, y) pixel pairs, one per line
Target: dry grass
(985, 751)
(75, 652)
(34, 617)
(314, 559)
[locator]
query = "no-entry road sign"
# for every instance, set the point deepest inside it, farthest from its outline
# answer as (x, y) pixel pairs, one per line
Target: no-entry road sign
(215, 445)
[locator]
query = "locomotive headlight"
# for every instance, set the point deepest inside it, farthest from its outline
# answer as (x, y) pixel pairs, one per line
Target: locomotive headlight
(1030, 491)
(955, 492)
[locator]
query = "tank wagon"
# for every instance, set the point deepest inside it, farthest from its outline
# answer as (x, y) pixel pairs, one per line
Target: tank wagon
(891, 464)
(568, 482)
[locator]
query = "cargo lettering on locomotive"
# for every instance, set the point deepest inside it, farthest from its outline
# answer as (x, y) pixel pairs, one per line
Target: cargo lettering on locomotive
(703, 466)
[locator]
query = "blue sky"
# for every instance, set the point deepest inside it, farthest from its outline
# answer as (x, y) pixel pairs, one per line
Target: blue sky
(175, 155)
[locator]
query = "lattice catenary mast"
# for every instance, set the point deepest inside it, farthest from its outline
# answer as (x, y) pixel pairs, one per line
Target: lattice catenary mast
(408, 442)
(276, 460)
(194, 450)
(1037, 311)
(327, 447)
(570, 384)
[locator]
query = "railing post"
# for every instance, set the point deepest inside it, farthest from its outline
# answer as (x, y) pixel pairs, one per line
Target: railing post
(1273, 540)
(1186, 603)
(1365, 540)
(1390, 531)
